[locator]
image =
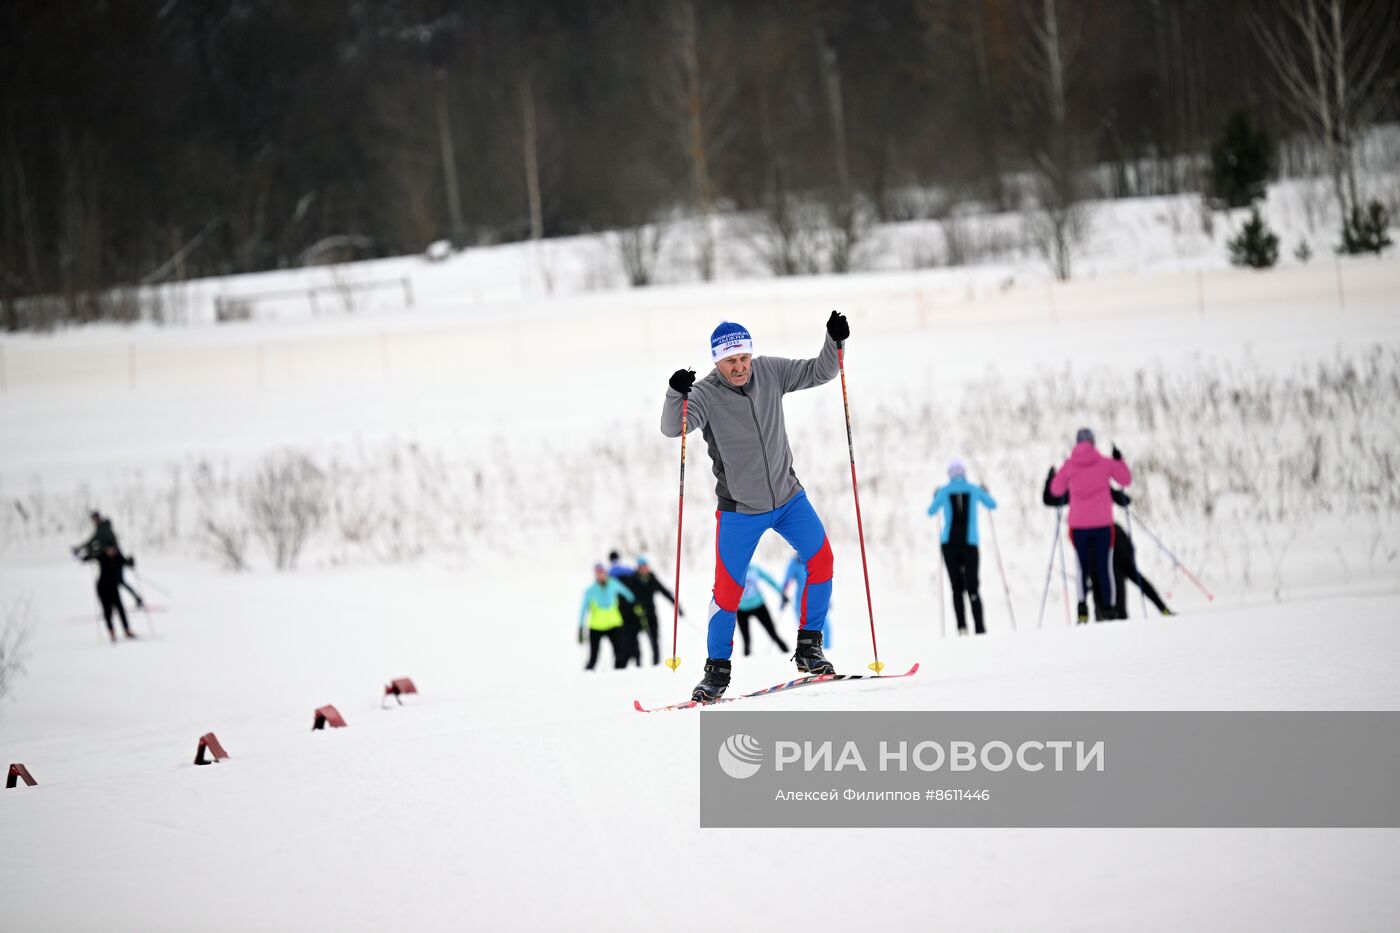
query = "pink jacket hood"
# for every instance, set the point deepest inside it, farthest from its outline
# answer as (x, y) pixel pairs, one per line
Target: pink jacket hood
(1085, 476)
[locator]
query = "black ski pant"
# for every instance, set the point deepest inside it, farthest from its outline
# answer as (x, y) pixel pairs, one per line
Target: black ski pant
(1095, 549)
(135, 595)
(615, 638)
(764, 619)
(631, 639)
(111, 598)
(631, 631)
(653, 634)
(961, 561)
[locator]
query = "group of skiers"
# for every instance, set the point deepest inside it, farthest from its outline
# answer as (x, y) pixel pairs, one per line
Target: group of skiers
(1107, 558)
(738, 408)
(620, 606)
(102, 547)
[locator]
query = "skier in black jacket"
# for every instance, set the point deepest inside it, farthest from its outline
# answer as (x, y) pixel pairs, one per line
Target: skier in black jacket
(631, 634)
(1124, 557)
(109, 581)
(104, 537)
(647, 587)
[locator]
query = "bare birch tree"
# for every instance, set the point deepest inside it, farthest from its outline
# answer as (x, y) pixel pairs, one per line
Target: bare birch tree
(697, 92)
(1329, 61)
(1056, 221)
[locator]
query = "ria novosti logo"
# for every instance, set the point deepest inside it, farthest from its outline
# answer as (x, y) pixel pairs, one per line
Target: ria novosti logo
(741, 756)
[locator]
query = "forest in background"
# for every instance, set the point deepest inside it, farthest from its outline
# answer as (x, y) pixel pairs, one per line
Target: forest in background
(154, 140)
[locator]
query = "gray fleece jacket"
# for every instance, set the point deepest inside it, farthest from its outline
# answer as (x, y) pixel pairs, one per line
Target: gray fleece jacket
(744, 428)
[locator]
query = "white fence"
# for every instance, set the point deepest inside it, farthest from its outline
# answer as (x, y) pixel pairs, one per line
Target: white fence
(261, 356)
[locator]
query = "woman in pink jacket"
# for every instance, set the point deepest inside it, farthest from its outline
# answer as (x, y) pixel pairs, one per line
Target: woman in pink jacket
(1085, 476)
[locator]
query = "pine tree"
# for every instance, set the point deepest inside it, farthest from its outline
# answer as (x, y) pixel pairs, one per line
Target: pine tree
(1241, 162)
(1365, 233)
(1256, 245)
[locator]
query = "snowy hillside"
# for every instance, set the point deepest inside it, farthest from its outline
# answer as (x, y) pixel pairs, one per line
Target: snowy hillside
(473, 467)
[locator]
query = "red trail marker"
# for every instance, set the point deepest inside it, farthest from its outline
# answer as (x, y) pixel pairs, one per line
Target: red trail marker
(328, 716)
(210, 744)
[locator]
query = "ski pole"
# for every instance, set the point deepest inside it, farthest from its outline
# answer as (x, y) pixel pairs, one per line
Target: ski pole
(1049, 570)
(1005, 585)
(150, 584)
(147, 613)
(1176, 563)
(942, 610)
(674, 661)
(876, 665)
(1064, 574)
(1128, 513)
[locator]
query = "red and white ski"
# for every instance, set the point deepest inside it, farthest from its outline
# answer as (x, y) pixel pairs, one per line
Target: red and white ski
(778, 688)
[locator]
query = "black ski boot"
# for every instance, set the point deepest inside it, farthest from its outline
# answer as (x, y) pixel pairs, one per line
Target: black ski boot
(809, 657)
(714, 683)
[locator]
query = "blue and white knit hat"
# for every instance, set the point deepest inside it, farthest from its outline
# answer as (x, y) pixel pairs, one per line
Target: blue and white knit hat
(730, 339)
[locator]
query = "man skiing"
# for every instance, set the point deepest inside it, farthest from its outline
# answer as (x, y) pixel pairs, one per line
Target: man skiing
(957, 501)
(601, 614)
(646, 587)
(738, 407)
(1085, 476)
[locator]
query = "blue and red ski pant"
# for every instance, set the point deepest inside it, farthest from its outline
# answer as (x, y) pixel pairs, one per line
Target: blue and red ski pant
(736, 538)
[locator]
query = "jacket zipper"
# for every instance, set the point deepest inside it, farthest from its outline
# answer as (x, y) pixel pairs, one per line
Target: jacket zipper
(767, 470)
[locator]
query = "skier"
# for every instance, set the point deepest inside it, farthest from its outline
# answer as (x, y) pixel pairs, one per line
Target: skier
(646, 587)
(1085, 475)
(752, 606)
(103, 537)
(1056, 502)
(109, 580)
(738, 407)
(603, 618)
(631, 619)
(1125, 568)
(1124, 558)
(957, 501)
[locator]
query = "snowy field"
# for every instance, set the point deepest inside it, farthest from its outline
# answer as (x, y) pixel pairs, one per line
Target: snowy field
(477, 464)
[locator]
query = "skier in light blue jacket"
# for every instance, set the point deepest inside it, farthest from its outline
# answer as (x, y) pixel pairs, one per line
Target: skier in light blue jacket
(957, 502)
(601, 615)
(752, 606)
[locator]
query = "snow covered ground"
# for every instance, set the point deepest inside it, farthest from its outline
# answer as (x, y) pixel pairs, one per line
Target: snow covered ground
(494, 457)
(515, 793)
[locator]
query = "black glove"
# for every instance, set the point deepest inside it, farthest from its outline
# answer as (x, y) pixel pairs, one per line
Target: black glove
(1051, 475)
(837, 327)
(130, 560)
(1117, 454)
(580, 635)
(785, 601)
(682, 380)
(1121, 497)
(76, 550)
